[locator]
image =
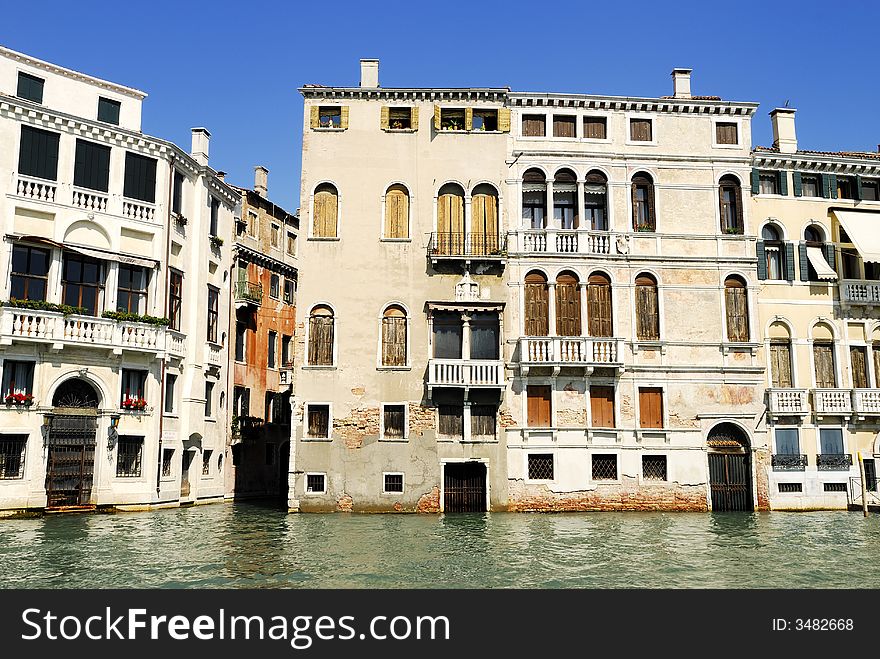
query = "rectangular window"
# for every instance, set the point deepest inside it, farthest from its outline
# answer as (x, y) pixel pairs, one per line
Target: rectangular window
(393, 484)
(871, 189)
(30, 87)
(564, 125)
(654, 468)
(175, 299)
(129, 454)
(870, 474)
(134, 385)
(273, 344)
(170, 383)
(845, 187)
(240, 341)
(640, 130)
(790, 488)
(595, 128)
(91, 167)
(241, 401)
(399, 118)
(318, 420)
(286, 355)
(291, 243)
(215, 216)
(274, 286)
(725, 133)
(289, 290)
(253, 224)
(447, 335)
(650, 407)
(131, 294)
(540, 466)
(177, 194)
(787, 442)
(834, 487)
(850, 263)
(450, 421)
(275, 236)
(830, 441)
(780, 364)
(394, 421)
(108, 110)
(485, 336)
(823, 361)
(82, 282)
(604, 467)
(539, 407)
(330, 116)
(484, 120)
(534, 125)
(602, 406)
(206, 462)
(810, 186)
(859, 363)
(452, 119)
(209, 399)
(213, 313)
(483, 421)
(18, 378)
(316, 483)
(38, 153)
(12, 448)
(167, 461)
(140, 177)
(768, 183)
(30, 273)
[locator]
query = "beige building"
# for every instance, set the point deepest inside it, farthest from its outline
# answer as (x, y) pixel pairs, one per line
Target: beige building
(819, 261)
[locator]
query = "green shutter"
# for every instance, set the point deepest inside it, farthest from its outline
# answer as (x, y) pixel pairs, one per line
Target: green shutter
(789, 261)
(804, 262)
(830, 255)
(783, 183)
(832, 185)
(858, 188)
(826, 186)
(756, 181)
(762, 260)
(797, 183)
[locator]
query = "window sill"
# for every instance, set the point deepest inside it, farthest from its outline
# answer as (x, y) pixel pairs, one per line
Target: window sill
(210, 420)
(641, 143)
(328, 129)
(394, 440)
(315, 367)
(394, 494)
(325, 238)
(394, 368)
(319, 440)
(314, 494)
(401, 130)
(595, 140)
(171, 415)
(540, 481)
(471, 132)
(727, 146)
(395, 240)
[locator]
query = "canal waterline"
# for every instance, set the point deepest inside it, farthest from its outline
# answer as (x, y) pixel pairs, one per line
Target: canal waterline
(253, 546)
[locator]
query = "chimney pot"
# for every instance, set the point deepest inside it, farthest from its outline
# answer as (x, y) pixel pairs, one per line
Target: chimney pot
(221, 175)
(261, 181)
(370, 73)
(784, 134)
(201, 139)
(681, 83)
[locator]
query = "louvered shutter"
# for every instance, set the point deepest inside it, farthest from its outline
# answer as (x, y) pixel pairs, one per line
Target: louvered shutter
(803, 262)
(468, 118)
(414, 118)
(537, 309)
(314, 118)
(599, 309)
(830, 255)
(436, 117)
(384, 117)
(756, 181)
(652, 217)
(783, 182)
(797, 183)
(789, 261)
(762, 260)
(737, 314)
(568, 309)
(832, 185)
(858, 187)
(343, 117)
(826, 186)
(647, 316)
(504, 120)
(823, 358)
(859, 367)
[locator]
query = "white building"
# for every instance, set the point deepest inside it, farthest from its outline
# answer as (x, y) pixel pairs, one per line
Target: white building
(115, 299)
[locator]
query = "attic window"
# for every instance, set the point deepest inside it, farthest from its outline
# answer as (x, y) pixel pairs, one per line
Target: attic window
(452, 119)
(330, 117)
(485, 120)
(400, 118)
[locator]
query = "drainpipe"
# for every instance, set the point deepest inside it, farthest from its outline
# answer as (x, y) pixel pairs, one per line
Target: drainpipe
(165, 307)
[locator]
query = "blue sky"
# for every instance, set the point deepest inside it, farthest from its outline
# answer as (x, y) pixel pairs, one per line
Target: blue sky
(234, 67)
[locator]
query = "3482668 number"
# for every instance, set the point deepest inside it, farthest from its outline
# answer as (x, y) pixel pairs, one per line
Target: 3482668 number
(823, 624)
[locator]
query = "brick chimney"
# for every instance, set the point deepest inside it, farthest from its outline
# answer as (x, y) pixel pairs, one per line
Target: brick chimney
(221, 175)
(370, 73)
(201, 138)
(261, 181)
(681, 83)
(784, 135)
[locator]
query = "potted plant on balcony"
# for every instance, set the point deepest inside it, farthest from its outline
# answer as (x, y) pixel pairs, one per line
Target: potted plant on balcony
(216, 241)
(736, 231)
(644, 227)
(134, 404)
(180, 219)
(19, 399)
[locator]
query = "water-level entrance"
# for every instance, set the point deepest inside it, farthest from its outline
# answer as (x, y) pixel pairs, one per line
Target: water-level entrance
(464, 487)
(730, 469)
(70, 462)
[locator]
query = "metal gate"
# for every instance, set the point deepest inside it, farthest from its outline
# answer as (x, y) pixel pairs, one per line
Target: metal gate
(464, 487)
(71, 460)
(731, 481)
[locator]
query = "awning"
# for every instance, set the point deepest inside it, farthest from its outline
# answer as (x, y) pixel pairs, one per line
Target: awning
(103, 254)
(820, 265)
(864, 230)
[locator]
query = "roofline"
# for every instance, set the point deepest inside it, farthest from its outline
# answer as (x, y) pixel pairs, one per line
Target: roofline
(70, 73)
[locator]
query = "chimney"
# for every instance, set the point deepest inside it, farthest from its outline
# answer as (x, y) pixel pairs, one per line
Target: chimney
(370, 73)
(200, 140)
(681, 83)
(784, 136)
(261, 181)
(222, 176)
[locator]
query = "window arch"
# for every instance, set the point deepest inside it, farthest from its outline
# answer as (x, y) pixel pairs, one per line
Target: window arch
(596, 201)
(565, 208)
(730, 204)
(736, 308)
(647, 308)
(823, 356)
(326, 211)
(815, 253)
(780, 356)
(321, 335)
(537, 309)
(643, 213)
(534, 201)
(599, 305)
(484, 220)
(568, 305)
(450, 219)
(396, 212)
(394, 336)
(771, 253)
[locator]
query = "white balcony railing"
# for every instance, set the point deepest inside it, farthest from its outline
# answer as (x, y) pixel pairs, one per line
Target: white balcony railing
(36, 189)
(788, 401)
(576, 351)
(565, 241)
(90, 200)
(176, 343)
(465, 373)
(866, 401)
(213, 354)
(832, 401)
(854, 292)
(134, 210)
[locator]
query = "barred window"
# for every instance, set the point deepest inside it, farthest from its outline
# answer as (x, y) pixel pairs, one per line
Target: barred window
(316, 483)
(394, 419)
(834, 487)
(167, 457)
(128, 456)
(12, 449)
(604, 467)
(206, 462)
(791, 487)
(540, 466)
(393, 483)
(318, 417)
(654, 467)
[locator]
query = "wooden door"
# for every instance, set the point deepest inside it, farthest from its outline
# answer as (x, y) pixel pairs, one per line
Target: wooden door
(539, 406)
(568, 306)
(651, 407)
(823, 361)
(602, 406)
(780, 365)
(599, 306)
(537, 306)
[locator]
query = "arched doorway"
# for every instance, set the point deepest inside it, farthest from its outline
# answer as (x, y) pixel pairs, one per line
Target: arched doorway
(70, 462)
(730, 468)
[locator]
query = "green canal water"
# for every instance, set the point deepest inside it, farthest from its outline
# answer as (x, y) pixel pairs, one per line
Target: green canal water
(253, 546)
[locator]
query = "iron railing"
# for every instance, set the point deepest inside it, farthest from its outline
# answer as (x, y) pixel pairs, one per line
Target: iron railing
(248, 291)
(466, 244)
(834, 462)
(782, 462)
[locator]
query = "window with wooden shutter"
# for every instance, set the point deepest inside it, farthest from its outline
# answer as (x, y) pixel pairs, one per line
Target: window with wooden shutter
(396, 118)
(38, 153)
(780, 364)
(564, 125)
(91, 167)
(538, 406)
(450, 421)
(643, 203)
(650, 407)
(568, 306)
(483, 421)
(394, 337)
(484, 120)
(504, 120)
(537, 306)
(599, 305)
(725, 133)
(640, 130)
(397, 212)
(450, 220)
(647, 308)
(602, 406)
(108, 110)
(737, 309)
(858, 358)
(453, 118)
(730, 205)
(326, 211)
(534, 125)
(484, 220)
(321, 330)
(140, 177)
(30, 87)
(595, 128)
(823, 363)
(318, 421)
(394, 421)
(875, 351)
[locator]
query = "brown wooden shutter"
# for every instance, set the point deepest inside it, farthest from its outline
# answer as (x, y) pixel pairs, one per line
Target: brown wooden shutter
(599, 306)
(568, 307)
(504, 120)
(737, 313)
(314, 118)
(396, 213)
(319, 214)
(780, 365)
(859, 367)
(538, 404)
(537, 307)
(343, 117)
(478, 224)
(456, 214)
(325, 214)
(436, 117)
(647, 310)
(321, 340)
(414, 119)
(651, 408)
(652, 216)
(468, 118)
(823, 359)
(875, 350)
(602, 407)
(384, 118)
(394, 341)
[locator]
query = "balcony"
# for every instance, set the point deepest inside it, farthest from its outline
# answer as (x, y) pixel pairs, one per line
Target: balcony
(834, 462)
(788, 402)
(246, 292)
(860, 293)
(559, 351)
(54, 328)
(866, 402)
(466, 373)
(466, 246)
(832, 401)
(781, 462)
(566, 241)
(176, 345)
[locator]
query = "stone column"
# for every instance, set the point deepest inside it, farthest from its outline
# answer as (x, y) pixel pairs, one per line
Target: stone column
(582, 291)
(579, 211)
(551, 309)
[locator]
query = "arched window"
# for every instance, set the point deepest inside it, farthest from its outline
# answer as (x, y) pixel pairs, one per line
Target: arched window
(484, 220)
(817, 258)
(595, 201)
(450, 219)
(321, 330)
(780, 356)
(394, 336)
(647, 308)
(644, 218)
(537, 318)
(823, 357)
(534, 201)
(599, 305)
(774, 253)
(396, 212)
(730, 205)
(565, 215)
(736, 308)
(568, 305)
(326, 211)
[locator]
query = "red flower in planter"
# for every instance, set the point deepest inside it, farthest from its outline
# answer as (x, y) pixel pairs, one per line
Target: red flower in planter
(19, 399)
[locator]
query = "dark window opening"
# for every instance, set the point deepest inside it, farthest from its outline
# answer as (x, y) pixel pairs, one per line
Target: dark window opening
(12, 449)
(330, 116)
(167, 457)
(132, 289)
(604, 467)
(654, 467)
(30, 87)
(319, 421)
(400, 118)
(108, 110)
(128, 457)
(394, 420)
(82, 282)
(452, 119)
(316, 483)
(393, 483)
(790, 487)
(30, 273)
(484, 120)
(18, 379)
(540, 466)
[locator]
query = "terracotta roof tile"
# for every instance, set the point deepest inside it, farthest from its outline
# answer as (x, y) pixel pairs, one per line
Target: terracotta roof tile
(846, 154)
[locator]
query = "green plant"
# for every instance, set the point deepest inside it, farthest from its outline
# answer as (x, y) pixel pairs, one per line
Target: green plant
(733, 230)
(125, 317)
(41, 305)
(644, 227)
(216, 241)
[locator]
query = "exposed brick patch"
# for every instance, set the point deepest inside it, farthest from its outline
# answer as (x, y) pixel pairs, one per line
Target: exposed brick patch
(345, 503)
(421, 418)
(359, 391)
(430, 502)
(360, 423)
(398, 507)
(505, 420)
(626, 496)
